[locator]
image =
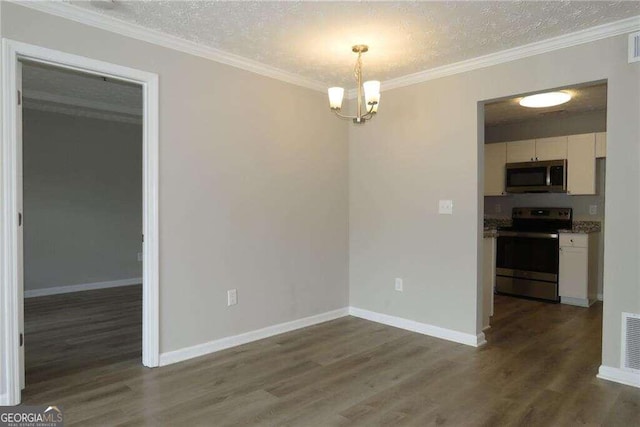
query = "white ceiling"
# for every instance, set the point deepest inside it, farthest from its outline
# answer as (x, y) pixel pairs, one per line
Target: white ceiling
(583, 99)
(313, 39)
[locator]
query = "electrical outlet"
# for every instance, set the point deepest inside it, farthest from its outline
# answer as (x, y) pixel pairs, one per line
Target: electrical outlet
(398, 284)
(593, 209)
(139, 256)
(232, 297)
(445, 207)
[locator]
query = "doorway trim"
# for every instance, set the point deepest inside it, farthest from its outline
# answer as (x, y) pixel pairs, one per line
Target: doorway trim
(12, 52)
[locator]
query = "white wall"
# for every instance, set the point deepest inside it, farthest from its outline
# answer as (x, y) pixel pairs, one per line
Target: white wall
(423, 147)
(253, 186)
(82, 199)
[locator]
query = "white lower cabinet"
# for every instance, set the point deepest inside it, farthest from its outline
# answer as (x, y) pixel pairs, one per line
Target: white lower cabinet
(578, 275)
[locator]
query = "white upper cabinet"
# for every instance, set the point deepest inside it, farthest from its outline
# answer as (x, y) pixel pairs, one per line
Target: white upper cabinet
(601, 144)
(521, 151)
(580, 151)
(554, 148)
(581, 164)
(495, 157)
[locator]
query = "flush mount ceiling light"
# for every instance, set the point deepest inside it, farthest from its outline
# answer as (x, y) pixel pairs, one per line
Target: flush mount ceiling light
(371, 92)
(542, 100)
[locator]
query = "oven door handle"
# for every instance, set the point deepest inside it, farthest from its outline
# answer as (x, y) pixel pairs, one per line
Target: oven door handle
(528, 234)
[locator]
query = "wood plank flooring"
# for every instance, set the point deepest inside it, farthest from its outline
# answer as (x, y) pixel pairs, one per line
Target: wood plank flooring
(83, 352)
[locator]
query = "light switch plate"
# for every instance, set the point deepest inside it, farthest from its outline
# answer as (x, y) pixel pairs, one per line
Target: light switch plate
(232, 297)
(398, 284)
(593, 209)
(445, 207)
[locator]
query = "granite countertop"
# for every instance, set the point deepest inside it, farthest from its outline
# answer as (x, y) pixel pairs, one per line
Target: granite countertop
(584, 227)
(580, 227)
(490, 232)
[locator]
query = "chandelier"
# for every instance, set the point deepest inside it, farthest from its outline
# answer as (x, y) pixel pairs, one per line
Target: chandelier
(371, 92)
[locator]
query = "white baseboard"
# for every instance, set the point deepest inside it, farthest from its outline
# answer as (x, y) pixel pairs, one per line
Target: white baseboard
(619, 376)
(421, 328)
(579, 302)
(81, 287)
(228, 342)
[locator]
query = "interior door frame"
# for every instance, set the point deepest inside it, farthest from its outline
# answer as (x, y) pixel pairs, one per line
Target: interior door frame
(10, 148)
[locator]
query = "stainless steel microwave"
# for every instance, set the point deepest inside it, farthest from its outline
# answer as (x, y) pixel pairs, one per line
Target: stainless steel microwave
(537, 177)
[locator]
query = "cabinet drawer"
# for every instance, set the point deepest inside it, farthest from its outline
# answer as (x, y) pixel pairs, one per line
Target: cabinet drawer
(574, 240)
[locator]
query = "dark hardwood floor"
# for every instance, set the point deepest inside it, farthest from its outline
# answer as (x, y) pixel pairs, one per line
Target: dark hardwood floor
(83, 352)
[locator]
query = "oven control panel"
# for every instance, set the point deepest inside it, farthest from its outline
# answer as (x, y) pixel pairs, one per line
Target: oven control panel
(541, 213)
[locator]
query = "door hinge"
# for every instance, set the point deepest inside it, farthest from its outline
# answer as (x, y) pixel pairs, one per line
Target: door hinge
(21, 340)
(19, 98)
(143, 238)
(19, 219)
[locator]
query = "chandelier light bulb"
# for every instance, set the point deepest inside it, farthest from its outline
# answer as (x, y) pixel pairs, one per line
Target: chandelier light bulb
(372, 93)
(335, 97)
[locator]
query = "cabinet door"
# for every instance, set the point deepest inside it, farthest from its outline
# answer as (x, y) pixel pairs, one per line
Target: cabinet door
(581, 164)
(551, 148)
(573, 277)
(521, 151)
(601, 144)
(495, 157)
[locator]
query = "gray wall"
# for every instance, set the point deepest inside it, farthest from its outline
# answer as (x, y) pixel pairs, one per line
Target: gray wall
(254, 176)
(82, 199)
(253, 186)
(424, 146)
(569, 124)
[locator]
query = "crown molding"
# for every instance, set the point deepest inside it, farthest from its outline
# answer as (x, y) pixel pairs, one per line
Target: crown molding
(94, 19)
(567, 40)
(611, 29)
(115, 25)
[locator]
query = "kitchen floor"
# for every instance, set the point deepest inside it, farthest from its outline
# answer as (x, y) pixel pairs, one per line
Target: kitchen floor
(538, 368)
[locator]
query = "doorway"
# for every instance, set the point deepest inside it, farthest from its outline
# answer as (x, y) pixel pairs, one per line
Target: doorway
(12, 287)
(543, 237)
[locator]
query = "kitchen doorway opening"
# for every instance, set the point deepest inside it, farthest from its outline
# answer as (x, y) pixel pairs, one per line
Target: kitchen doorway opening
(542, 173)
(30, 197)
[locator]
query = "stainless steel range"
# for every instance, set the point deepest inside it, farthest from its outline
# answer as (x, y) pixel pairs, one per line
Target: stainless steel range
(528, 253)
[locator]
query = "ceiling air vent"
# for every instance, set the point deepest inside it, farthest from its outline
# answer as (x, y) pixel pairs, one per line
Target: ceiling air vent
(634, 47)
(631, 342)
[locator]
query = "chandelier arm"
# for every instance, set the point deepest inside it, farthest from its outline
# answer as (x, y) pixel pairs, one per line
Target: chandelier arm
(369, 114)
(344, 116)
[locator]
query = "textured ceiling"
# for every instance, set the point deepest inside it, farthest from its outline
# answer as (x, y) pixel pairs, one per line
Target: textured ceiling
(45, 87)
(583, 99)
(313, 39)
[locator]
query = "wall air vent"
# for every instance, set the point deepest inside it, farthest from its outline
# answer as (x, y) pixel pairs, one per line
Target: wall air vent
(631, 342)
(634, 47)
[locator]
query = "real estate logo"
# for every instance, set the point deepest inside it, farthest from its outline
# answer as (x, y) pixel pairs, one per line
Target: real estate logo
(31, 416)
